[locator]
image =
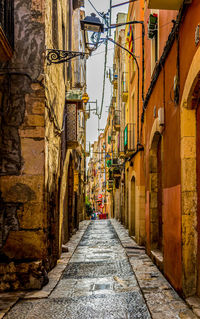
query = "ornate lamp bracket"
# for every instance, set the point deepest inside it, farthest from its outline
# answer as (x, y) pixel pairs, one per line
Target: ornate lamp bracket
(61, 56)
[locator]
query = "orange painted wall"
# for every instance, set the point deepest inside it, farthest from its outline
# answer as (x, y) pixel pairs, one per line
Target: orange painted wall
(162, 96)
(165, 25)
(172, 235)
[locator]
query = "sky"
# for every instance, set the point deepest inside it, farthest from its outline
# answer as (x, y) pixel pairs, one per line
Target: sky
(95, 68)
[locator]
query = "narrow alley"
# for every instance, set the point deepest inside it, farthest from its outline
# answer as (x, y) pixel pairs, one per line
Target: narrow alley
(99, 159)
(108, 276)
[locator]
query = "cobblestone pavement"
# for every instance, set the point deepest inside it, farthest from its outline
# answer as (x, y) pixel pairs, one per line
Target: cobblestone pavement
(163, 302)
(107, 277)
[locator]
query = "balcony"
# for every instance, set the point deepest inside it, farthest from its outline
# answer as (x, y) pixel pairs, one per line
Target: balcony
(75, 96)
(129, 138)
(124, 86)
(6, 30)
(110, 174)
(166, 4)
(116, 120)
(116, 173)
(109, 185)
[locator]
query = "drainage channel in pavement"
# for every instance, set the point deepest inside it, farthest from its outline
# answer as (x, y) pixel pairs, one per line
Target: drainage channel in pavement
(97, 283)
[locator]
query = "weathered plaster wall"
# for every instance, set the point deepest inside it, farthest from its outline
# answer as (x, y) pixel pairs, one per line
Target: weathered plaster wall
(171, 173)
(56, 26)
(22, 146)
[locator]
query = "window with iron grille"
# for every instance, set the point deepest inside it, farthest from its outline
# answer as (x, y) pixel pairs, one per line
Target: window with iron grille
(7, 19)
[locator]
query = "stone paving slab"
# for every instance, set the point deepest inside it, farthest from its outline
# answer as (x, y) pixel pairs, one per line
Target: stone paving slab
(162, 300)
(106, 306)
(103, 288)
(9, 299)
(98, 269)
(88, 286)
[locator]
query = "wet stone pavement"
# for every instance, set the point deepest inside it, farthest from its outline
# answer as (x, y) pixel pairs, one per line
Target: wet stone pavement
(97, 283)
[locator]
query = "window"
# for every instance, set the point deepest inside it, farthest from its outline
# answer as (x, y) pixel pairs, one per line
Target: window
(153, 35)
(154, 51)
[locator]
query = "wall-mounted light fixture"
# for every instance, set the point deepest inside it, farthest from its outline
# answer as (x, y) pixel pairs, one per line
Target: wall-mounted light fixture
(61, 56)
(92, 28)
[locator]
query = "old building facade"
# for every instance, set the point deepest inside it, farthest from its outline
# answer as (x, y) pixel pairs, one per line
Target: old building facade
(171, 127)
(41, 173)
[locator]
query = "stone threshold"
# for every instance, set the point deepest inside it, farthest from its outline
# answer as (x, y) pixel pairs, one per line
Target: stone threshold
(9, 299)
(161, 299)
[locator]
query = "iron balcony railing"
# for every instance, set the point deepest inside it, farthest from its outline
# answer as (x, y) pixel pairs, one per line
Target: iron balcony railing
(7, 19)
(129, 138)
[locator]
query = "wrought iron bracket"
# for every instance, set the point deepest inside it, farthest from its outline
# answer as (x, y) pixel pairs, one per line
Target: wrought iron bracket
(61, 56)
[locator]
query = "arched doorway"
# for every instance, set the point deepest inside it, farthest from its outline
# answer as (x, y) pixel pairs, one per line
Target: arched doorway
(132, 208)
(156, 193)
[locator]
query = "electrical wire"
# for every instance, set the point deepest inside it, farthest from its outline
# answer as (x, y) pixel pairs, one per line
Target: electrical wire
(99, 13)
(134, 39)
(104, 78)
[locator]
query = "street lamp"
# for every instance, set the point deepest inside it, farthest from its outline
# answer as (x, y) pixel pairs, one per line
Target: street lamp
(93, 25)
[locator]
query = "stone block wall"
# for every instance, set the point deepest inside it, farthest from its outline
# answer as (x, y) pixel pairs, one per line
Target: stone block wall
(23, 220)
(32, 108)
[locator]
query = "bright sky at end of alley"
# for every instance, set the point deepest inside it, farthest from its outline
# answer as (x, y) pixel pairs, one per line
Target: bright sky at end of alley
(95, 68)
